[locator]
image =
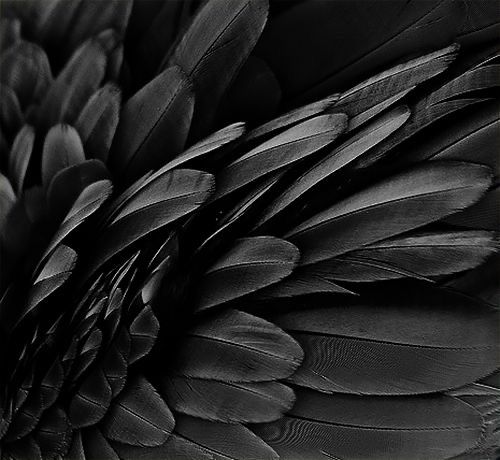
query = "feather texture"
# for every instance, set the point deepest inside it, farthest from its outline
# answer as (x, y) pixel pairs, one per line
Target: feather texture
(251, 264)
(422, 341)
(422, 195)
(326, 427)
(217, 41)
(20, 155)
(238, 347)
(154, 124)
(139, 416)
(228, 402)
(282, 150)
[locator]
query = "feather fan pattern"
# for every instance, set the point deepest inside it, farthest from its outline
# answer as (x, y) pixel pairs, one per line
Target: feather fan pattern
(249, 230)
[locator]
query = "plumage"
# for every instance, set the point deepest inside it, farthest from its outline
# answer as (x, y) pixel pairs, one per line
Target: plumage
(437, 190)
(20, 155)
(154, 124)
(419, 255)
(238, 347)
(90, 401)
(251, 264)
(339, 158)
(254, 229)
(214, 41)
(52, 276)
(139, 416)
(339, 426)
(228, 402)
(62, 148)
(170, 197)
(421, 341)
(97, 122)
(289, 147)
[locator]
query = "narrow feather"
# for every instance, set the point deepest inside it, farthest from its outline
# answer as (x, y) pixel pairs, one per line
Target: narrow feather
(339, 158)
(215, 41)
(292, 118)
(7, 199)
(420, 255)
(321, 426)
(62, 148)
(238, 347)
(421, 195)
(52, 276)
(20, 155)
(228, 402)
(154, 124)
(89, 201)
(420, 341)
(397, 79)
(11, 116)
(139, 416)
(206, 146)
(250, 265)
(286, 148)
(98, 120)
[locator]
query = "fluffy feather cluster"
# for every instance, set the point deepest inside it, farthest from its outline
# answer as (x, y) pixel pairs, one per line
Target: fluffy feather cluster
(317, 283)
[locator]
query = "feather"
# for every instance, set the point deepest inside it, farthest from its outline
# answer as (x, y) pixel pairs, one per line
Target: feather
(91, 20)
(88, 202)
(228, 402)
(10, 32)
(7, 199)
(143, 333)
(481, 283)
(20, 155)
(206, 146)
(238, 347)
(154, 124)
(139, 416)
(62, 148)
(115, 362)
(291, 118)
(196, 439)
(217, 41)
(98, 120)
(25, 68)
(234, 442)
(484, 214)
(420, 341)
(25, 419)
(286, 148)
(159, 202)
(75, 451)
(384, 34)
(420, 255)
(422, 195)
(338, 426)
(398, 79)
(87, 354)
(303, 281)
(11, 116)
(250, 265)
(339, 158)
(91, 400)
(52, 276)
(51, 384)
(77, 81)
(67, 185)
(96, 446)
(53, 433)
(476, 79)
